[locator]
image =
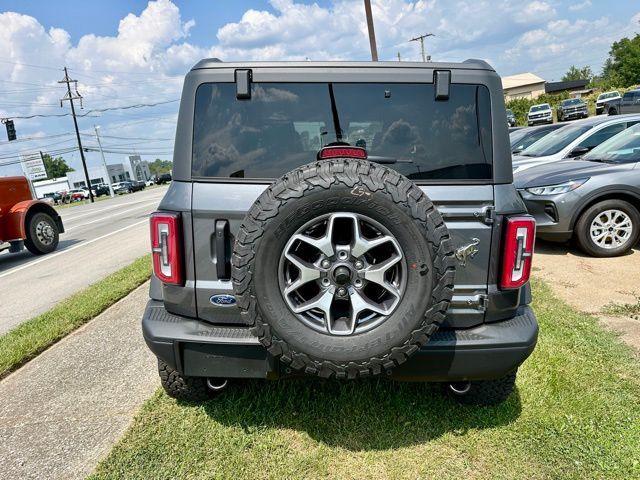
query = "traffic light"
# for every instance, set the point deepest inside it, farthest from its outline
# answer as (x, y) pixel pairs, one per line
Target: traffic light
(11, 130)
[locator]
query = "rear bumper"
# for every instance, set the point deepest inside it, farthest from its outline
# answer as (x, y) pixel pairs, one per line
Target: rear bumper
(200, 349)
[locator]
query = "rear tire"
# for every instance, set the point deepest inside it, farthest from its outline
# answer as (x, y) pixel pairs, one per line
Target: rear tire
(42, 234)
(483, 392)
(180, 387)
(583, 229)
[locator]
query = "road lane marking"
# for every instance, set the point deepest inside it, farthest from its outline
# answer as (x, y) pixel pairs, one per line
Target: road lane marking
(146, 204)
(66, 218)
(53, 255)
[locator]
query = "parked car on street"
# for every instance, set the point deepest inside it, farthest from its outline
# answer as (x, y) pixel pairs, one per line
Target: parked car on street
(163, 178)
(56, 197)
(605, 97)
(594, 199)
(122, 187)
(539, 114)
(344, 266)
(572, 140)
(511, 118)
(100, 189)
(571, 109)
(629, 103)
(524, 137)
(137, 185)
(25, 221)
(78, 194)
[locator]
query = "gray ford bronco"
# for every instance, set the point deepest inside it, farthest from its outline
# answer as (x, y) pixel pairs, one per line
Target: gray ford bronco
(341, 220)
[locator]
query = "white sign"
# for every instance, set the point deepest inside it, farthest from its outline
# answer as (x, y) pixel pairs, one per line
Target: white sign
(33, 166)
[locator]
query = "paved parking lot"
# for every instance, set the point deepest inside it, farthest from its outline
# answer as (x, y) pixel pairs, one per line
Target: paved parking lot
(99, 239)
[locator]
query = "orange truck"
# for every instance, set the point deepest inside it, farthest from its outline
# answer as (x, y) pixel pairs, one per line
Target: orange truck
(25, 221)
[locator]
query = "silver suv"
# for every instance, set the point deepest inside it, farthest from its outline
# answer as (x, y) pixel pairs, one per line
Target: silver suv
(341, 220)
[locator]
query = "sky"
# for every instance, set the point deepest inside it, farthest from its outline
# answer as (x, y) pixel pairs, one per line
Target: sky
(128, 53)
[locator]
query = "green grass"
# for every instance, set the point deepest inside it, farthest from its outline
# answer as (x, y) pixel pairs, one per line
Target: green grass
(627, 309)
(575, 414)
(33, 336)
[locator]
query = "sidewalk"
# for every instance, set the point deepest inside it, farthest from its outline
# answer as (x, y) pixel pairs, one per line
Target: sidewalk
(64, 410)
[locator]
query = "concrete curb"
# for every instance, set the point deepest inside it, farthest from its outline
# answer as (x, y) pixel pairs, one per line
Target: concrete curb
(64, 410)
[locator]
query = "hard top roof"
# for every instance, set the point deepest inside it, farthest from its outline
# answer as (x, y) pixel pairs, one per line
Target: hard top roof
(470, 64)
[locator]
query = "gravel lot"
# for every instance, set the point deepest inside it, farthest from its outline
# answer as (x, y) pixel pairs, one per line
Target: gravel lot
(595, 285)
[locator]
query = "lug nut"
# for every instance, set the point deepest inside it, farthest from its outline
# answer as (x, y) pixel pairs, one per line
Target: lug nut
(359, 264)
(325, 264)
(326, 282)
(342, 291)
(358, 283)
(342, 255)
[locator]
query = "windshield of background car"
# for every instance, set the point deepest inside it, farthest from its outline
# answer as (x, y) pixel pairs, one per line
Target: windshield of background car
(555, 141)
(529, 138)
(573, 101)
(284, 125)
(622, 148)
(604, 96)
(517, 135)
(538, 108)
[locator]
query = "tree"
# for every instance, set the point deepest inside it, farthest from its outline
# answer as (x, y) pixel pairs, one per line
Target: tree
(56, 167)
(158, 166)
(622, 68)
(575, 73)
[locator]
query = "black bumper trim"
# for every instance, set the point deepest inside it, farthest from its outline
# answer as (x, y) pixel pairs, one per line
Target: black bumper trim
(197, 348)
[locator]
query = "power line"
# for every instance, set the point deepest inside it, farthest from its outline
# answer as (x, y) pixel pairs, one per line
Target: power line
(421, 39)
(70, 97)
(93, 110)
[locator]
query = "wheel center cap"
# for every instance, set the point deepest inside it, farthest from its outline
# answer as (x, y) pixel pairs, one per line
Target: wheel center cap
(342, 275)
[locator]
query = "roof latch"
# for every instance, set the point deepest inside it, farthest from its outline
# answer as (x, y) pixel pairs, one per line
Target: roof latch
(442, 81)
(243, 84)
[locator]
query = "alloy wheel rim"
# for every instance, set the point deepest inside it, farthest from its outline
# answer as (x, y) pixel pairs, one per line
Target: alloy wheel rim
(611, 229)
(342, 274)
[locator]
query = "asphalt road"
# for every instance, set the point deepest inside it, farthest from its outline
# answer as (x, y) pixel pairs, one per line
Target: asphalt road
(99, 239)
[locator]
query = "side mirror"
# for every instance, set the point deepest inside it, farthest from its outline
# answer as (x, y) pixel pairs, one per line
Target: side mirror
(578, 151)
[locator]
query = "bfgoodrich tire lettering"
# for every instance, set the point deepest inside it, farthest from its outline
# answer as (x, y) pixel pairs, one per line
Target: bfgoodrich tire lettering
(362, 188)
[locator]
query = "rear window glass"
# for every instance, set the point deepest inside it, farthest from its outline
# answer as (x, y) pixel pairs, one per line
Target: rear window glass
(284, 125)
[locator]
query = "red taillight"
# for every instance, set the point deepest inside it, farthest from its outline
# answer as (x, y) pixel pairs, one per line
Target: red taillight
(338, 151)
(517, 252)
(166, 247)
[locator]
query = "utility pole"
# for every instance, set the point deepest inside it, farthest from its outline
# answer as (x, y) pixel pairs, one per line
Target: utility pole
(104, 163)
(71, 97)
(421, 39)
(399, 59)
(372, 33)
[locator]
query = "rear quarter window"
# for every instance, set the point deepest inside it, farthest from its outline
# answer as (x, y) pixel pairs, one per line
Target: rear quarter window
(284, 125)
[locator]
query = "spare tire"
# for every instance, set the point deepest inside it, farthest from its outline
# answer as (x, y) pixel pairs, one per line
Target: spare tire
(344, 268)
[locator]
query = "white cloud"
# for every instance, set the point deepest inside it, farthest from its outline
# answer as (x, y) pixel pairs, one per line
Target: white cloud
(146, 59)
(580, 6)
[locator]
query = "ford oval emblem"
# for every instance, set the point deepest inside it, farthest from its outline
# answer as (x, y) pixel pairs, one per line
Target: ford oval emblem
(223, 300)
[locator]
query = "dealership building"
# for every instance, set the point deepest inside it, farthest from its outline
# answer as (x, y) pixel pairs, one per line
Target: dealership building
(133, 168)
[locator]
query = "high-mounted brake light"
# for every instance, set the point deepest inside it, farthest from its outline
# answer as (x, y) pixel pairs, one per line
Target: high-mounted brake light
(517, 253)
(166, 247)
(339, 151)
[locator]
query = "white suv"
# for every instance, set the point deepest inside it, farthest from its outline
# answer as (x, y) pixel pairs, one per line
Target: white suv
(540, 113)
(604, 98)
